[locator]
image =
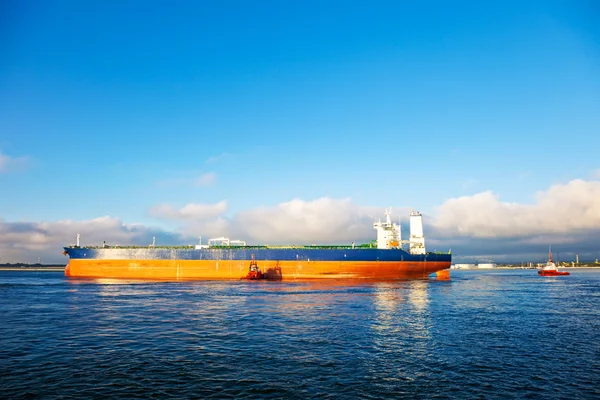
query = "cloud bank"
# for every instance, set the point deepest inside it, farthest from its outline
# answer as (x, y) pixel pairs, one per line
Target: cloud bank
(477, 227)
(566, 216)
(562, 209)
(26, 241)
(296, 221)
(191, 212)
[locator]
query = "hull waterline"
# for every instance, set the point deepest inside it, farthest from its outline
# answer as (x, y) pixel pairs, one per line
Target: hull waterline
(553, 273)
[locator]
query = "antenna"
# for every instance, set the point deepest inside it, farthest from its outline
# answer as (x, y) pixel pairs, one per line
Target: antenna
(78, 237)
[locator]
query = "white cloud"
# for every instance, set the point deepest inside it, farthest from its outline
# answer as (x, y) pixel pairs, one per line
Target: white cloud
(8, 163)
(316, 221)
(25, 241)
(563, 208)
(205, 179)
(190, 212)
(323, 220)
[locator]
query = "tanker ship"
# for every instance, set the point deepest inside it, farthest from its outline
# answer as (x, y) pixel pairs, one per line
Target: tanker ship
(225, 259)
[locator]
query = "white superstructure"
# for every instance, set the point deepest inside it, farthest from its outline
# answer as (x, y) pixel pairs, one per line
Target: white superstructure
(417, 240)
(549, 265)
(389, 234)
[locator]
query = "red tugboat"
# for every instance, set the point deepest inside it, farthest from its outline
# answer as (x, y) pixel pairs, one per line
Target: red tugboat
(254, 273)
(550, 268)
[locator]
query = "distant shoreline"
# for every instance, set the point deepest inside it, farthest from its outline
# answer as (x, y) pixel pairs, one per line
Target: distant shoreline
(32, 267)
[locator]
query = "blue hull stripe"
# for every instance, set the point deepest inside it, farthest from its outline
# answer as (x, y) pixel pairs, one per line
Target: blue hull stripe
(300, 254)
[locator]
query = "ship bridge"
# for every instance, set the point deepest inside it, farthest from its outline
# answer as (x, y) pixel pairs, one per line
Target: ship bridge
(389, 235)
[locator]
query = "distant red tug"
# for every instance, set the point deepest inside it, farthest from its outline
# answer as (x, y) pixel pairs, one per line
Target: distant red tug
(550, 268)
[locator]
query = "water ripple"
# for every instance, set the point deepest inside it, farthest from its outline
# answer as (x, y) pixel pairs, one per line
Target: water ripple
(492, 334)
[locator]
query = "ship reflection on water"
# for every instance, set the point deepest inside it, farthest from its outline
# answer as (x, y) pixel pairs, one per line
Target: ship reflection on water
(210, 318)
(401, 313)
(395, 308)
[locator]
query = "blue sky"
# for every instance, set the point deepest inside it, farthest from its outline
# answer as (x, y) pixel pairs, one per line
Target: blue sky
(112, 108)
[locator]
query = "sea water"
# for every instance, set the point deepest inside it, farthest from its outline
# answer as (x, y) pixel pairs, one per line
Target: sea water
(481, 334)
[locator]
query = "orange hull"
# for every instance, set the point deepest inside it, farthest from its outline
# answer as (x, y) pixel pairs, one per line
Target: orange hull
(237, 269)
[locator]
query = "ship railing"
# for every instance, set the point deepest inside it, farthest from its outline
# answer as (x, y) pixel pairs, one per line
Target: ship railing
(231, 246)
(116, 246)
